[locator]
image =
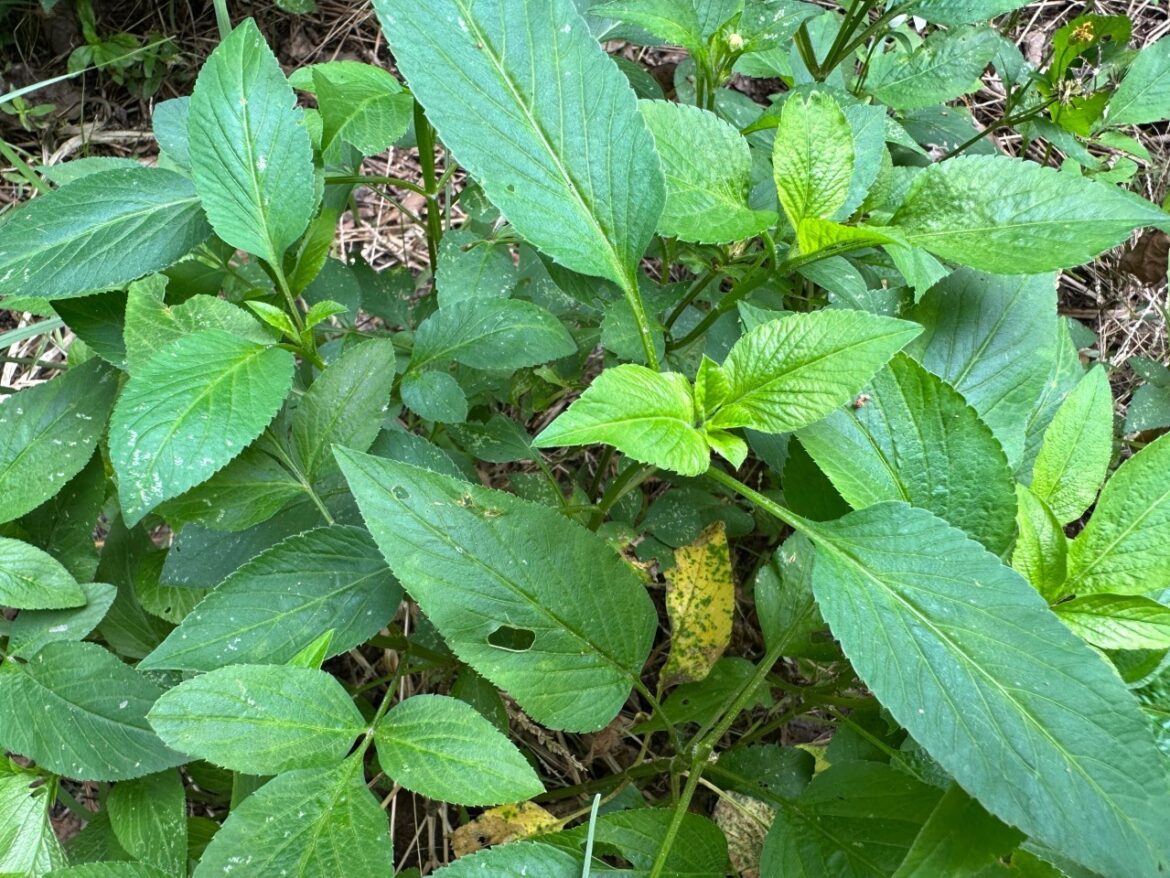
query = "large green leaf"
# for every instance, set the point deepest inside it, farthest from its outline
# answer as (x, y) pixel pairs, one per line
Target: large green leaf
(1144, 93)
(813, 157)
(251, 158)
(48, 433)
(503, 334)
(529, 103)
(946, 65)
(1077, 448)
(28, 845)
(788, 373)
(260, 719)
(1124, 549)
(968, 657)
(191, 409)
(31, 579)
(959, 840)
(100, 232)
(708, 171)
(1111, 621)
(965, 11)
(80, 712)
(516, 860)
(446, 750)
(311, 823)
(1008, 216)
(916, 439)
(518, 591)
(647, 415)
(63, 525)
(991, 338)
(331, 578)
(361, 105)
(149, 818)
(32, 629)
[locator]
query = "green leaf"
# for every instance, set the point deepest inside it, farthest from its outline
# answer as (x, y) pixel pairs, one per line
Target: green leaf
(677, 23)
(435, 396)
(149, 819)
(977, 330)
(1123, 549)
(582, 611)
(31, 579)
(959, 840)
(1041, 550)
(1144, 93)
(48, 434)
(445, 750)
(790, 372)
(910, 436)
(191, 409)
(260, 719)
(500, 334)
(360, 104)
(80, 712)
(251, 158)
(515, 860)
(647, 415)
(169, 123)
(100, 232)
(1078, 445)
(505, 86)
(813, 157)
(1110, 621)
(28, 845)
(708, 171)
(312, 823)
(345, 405)
(277, 603)
(117, 869)
(965, 11)
(471, 267)
(968, 657)
(1008, 216)
(945, 66)
(699, 849)
(32, 629)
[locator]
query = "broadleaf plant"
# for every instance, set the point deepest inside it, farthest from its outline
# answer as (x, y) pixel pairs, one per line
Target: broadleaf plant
(725, 495)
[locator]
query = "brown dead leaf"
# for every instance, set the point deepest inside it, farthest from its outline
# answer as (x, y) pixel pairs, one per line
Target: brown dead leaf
(1147, 259)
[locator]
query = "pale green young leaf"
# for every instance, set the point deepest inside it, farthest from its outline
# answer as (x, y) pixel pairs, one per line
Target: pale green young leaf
(277, 603)
(32, 629)
(711, 387)
(945, 66)
(31, 579)
(647, 415)
(813, 156)
(585, 187)
(275, 317)
(362, 105)
(910, 436)
(790, 372)
(80, 712)
(1040, 554)
(1144, 93)
(191, 409)
(444, 749)
(311, 823)
(708, 171)
(488, 568)
(345, 405)
(493, 333)
(674, 21)
(959, 840)
(1124, 548)
(1007, 216)
(149, 818)
(1078, 445)
(314, 655)
(28, 845)
(251, 158)
(1111, 621)
(48, 434)
(259, 719)
(815, 235)
(434, 395)
(100, 232)
(968, 657)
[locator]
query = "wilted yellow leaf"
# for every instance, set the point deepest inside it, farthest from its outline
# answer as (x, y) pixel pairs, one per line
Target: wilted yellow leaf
(503, 824)
(700, 598)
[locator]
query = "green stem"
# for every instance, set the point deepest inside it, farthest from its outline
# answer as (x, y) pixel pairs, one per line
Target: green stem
(808, 55)
(680, 810)
(374, 180)
(22, 167)
(638, 307)
(692, 293)
(1002, 122)
(755, 276)
(645, 769)
(425, 135)
(222, 20)
(630, 478)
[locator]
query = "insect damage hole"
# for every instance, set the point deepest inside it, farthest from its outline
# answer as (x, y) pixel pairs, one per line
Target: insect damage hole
(512, 639)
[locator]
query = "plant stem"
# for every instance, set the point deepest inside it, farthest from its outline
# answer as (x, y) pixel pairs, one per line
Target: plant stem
(638, 307)
(222, 20)
(755, 276)
(692, 293)
(374, 180)
(425, 135)
(1001, 122)
(680, 810)
(630, 478)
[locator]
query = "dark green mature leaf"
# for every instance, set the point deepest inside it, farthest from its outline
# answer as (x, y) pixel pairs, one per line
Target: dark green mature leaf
(149, 819)
(1124, 547)
(516, 860)
(813, 157)
(48, 433)
(446, 750)
(169, 123)
(976, 327)
(945, 66)
(492, 571)
(1144, 93)
(968, 657)
(959, 840)
(80, 712)
(118, 869)
(965, 11)
(191, 409)
(505, 85)
(32, 629)
(330, 578)
(251, 158)
(1009, 216)
(28, 845)
(312, 823)
(790, 372)
(647, 415)
(1111, 621)
(360, 104)
(434, 395)
(675, 22)
(100, 232)
(260, 719)
(471, 267)
(503, 334)
(708, 171)
(345, 405)
(912, 437)
(31, 579)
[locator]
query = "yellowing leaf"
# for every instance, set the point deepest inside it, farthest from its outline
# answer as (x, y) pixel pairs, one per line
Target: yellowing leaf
(700, 599)
(501, 825)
